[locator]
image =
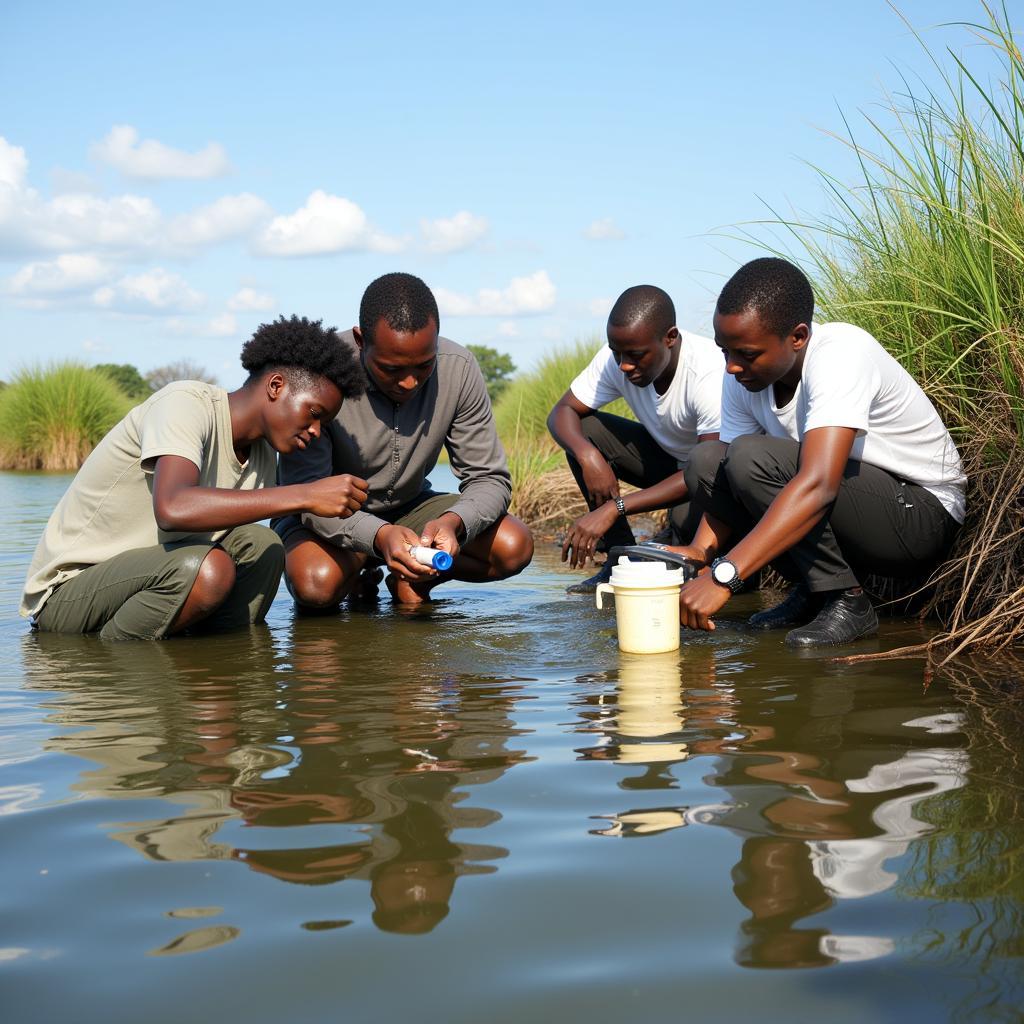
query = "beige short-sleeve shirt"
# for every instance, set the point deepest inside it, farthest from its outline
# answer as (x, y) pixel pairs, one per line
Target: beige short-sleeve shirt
(108, 509)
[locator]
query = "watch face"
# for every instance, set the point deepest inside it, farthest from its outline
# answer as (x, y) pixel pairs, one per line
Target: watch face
(724, 572)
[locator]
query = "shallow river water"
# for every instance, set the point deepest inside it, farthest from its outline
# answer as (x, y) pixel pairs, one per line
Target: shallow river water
(484, 812)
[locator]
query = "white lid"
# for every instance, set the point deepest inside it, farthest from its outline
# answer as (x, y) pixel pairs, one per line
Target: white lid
(643, 574)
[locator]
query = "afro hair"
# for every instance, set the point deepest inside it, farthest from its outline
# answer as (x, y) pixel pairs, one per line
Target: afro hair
(402, 301)
(303, 348)
(775, 289)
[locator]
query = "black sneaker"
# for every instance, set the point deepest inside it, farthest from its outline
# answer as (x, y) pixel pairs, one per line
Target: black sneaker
(797, 606)
(844, 617)
(589, 586)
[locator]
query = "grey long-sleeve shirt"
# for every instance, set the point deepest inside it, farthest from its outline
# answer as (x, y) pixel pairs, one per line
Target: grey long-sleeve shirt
(394, 447)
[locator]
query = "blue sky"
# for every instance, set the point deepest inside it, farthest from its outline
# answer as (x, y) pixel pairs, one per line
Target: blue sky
(173, 175)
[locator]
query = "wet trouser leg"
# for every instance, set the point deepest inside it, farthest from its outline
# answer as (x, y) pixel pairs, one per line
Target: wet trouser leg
(636, 458)
(877, 523)
(137, 595)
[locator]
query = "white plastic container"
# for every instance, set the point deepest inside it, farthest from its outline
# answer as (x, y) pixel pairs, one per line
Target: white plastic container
(646, 605)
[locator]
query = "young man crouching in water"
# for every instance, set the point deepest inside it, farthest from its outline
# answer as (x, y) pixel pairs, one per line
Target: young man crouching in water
(832, 462)
(158, 532)
(424, 393)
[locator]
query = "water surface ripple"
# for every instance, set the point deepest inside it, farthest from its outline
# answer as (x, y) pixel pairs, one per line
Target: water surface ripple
(483, 810)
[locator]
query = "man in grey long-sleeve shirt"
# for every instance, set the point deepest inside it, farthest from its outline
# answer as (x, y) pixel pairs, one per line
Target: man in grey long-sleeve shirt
(424, 393)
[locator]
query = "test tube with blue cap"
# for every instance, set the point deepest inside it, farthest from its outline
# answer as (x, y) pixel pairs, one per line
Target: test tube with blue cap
(435, 558)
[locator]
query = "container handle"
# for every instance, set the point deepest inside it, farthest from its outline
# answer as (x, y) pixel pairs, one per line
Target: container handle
(601, 589)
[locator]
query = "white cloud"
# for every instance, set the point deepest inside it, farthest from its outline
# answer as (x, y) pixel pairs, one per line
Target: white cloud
(70, 272)
(153, 161)
(246, 299)
(65, 182)
(508, 329)
(325, 224)
(523, 296)
(450, 234)
(13, 165)
(155, 291)
(224, 325)
(604, 229)
(30, 224)
(226, 218)
(96, 348)
(600, 307)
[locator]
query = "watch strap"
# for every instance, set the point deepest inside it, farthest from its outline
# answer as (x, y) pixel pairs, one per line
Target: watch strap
(620, 505)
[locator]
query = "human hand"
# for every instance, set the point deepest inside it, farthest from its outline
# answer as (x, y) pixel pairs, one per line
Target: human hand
(581, 538)
(700, 556)
(392, 544)
(601, 482)
(699, 600)
(440, 533)
(336, 496)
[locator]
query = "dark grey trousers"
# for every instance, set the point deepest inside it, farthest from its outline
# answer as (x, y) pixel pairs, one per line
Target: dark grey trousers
(636, 458)
(137, 595)
(877, 524)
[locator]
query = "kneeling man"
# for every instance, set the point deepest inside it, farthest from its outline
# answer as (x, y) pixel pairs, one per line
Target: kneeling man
(424, 393)
(672, 381)
(832, 463)
(159, 531)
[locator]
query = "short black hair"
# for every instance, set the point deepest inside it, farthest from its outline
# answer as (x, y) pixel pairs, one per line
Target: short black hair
(646, 304)
(775, 289)
(304, 350)
(403, 301)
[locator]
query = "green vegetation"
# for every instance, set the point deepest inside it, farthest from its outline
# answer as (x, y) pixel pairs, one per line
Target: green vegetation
(927, 253)
(127, 378)
(497, 368)
(544, 492)
(52, 417)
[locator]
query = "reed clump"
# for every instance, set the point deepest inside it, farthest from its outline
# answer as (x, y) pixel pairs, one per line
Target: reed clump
(926, 252)
(544, 492)
(51, 417)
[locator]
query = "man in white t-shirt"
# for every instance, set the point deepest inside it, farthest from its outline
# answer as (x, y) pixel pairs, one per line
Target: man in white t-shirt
(672, 380)
(832, 462)
(159, 531)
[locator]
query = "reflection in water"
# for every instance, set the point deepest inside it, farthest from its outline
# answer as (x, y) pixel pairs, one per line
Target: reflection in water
(824, 796)
(290, 739)
(823, 786)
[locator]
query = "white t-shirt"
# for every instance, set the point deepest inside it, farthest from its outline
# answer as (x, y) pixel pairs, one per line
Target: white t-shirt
(108, 509)
(849, 380)
(690, 406)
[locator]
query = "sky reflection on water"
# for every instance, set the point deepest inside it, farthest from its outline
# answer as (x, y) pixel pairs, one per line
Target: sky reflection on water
(292, 802)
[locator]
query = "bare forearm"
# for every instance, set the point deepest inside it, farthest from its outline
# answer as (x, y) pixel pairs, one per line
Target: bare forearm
(564, 427)
(664, 494)
(217, 508)
(797, 509)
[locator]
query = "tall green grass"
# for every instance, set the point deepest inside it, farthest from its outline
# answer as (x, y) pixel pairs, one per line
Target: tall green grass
(52, 417)
(522, 410)
(544, 492)
(926, 252)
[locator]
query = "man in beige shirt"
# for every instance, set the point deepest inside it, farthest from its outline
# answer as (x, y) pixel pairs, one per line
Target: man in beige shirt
(158, 532)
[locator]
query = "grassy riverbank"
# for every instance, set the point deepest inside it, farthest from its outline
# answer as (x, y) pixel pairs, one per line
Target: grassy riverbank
(52, 417)
(544, 492)
(927, 253)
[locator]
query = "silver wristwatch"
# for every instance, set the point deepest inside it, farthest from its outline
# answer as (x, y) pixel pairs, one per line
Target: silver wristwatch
(725, 574)
(620, 505)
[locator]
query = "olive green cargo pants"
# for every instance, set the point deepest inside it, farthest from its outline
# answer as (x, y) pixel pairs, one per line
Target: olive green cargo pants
(137, 595)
